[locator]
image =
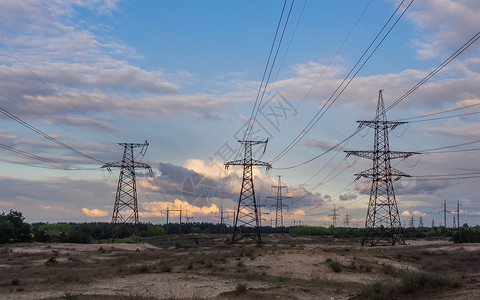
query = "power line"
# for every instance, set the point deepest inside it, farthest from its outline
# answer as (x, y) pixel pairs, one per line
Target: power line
(446, 178)
(438, 113)
(260, 94)
(33, 156)
(443, 175)
(52, 90)
(454, 151)
(450, 146)
(43, 134)
(459, 51)
(446, 117)
(410, 91)
(344, 84)
(336, 53)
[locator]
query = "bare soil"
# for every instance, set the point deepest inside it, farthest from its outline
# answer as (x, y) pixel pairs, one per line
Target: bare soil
(206, 267)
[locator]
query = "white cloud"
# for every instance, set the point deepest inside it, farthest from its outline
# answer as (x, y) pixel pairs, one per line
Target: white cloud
(444, 25)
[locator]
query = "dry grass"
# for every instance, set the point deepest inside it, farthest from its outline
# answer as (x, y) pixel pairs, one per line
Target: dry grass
(205, 267)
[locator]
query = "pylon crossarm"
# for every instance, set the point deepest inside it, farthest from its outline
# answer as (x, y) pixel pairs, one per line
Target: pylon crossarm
(398, 174)
(364, 154)
(372, 155)
(239, 162)
(259, 163)
(373, 123)
(401, 154)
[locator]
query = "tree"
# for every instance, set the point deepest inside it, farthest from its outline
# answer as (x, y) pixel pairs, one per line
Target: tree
(13, 229)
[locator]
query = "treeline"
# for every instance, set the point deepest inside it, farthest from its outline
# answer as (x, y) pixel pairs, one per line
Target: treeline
(464, 234)
(13, 228)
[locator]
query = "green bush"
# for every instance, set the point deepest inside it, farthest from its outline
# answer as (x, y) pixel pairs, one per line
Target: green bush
(336, 266)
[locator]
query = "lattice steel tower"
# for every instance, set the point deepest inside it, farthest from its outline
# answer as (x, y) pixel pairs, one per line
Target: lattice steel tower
(382, 224)
(247, 211)
(125, 210)
(279, 204)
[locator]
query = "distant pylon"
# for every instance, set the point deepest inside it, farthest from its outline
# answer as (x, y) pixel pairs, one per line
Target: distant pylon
(347, 220)
(125, 210)
(334, 216)
(279, 204)
(247, 212)
(382, 224)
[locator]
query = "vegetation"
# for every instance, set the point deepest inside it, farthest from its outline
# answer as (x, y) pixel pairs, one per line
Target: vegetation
(13, 228)
(240, 288)
(411, 282)
(467, 235)
(335, 266)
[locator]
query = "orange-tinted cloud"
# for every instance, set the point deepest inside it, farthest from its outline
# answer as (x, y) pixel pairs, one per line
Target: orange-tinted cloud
(299, 212)
(158, 208)
(95, 213)
(3, 203)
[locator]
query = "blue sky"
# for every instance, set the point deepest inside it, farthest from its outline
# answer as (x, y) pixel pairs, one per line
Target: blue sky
(184, 75)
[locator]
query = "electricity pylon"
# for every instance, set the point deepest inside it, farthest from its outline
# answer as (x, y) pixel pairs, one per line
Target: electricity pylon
(125, 210)
(279, 204)
(247, 212)
(334, 216)
(382, 224)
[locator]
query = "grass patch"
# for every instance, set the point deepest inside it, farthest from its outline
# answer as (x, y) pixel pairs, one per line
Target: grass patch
(166, 269)
(415, 281)
(411, 282)
(335, 266)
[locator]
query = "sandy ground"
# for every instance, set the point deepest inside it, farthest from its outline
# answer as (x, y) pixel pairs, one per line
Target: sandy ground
(204, 267)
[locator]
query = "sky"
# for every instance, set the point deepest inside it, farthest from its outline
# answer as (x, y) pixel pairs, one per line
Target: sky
(185, 76)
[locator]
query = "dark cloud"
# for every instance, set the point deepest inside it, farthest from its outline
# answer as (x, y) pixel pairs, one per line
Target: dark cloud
(348, 197)
(425, 187)
(56, 199)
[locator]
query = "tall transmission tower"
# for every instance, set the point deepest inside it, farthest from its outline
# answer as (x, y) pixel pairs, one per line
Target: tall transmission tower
(247, 211)
(412, 223)
(346, 220)
(334, 216)
(444, 205)
(458, 214)
(279, 204)
(382, 224)
(125, 210)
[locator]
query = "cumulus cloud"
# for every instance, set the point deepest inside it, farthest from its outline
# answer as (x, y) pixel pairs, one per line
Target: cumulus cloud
(94, 212)
(469, 132)
(416, 213)
(158, 208)
(436, 35)
(298, 212)
(347, 197)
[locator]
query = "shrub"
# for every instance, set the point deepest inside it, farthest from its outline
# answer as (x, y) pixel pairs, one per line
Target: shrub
(336, 266)
(240, 288)
(15, 281)
(52, 260)
(166, 269)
